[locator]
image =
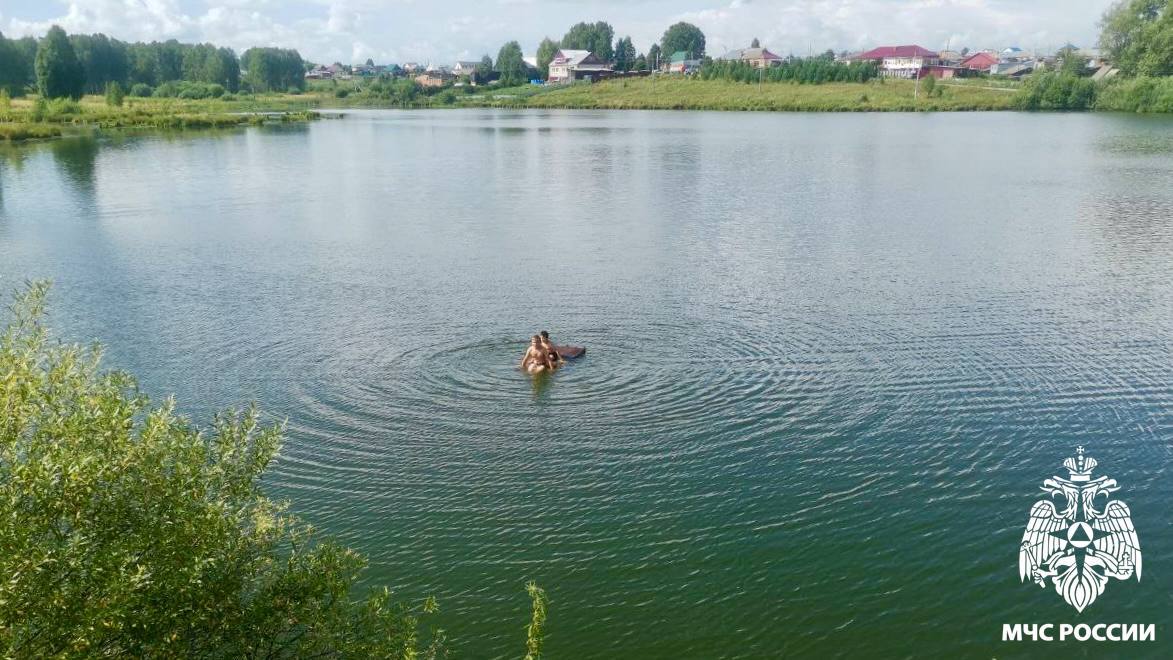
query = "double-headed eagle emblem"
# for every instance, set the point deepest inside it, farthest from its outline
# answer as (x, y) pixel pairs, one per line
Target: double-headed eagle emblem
(1079, 537)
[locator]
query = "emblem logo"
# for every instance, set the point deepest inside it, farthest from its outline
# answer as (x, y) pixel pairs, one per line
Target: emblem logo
(1079, 538)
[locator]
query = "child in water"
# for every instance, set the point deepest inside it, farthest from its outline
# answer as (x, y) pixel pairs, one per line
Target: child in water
(537, 357)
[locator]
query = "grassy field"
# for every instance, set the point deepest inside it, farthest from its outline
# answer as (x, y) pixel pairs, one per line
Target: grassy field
(674, 93)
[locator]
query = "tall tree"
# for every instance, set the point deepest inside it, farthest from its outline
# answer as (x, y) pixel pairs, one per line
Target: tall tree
(27, 49)
(273, 69)
(624, 54)
(483, 69)
(546, 51)
(59, 73)
(511, 64)
(683, 37)
(1138, 36)
(103, 60)
(12, 78)
(654, 56)
(595, 37)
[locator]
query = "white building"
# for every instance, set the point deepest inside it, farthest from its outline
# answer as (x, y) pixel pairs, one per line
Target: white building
(569, 65)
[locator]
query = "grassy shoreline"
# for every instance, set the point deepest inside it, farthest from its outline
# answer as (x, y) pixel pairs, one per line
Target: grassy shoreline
(676, 93)
(690, 94)
(27, 118)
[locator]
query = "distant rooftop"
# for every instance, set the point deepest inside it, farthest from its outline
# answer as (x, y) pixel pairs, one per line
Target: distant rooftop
(896, 51)
(750, 54)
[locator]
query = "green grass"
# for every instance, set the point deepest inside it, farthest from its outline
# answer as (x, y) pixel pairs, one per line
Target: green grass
(15, 132)
(675, 93)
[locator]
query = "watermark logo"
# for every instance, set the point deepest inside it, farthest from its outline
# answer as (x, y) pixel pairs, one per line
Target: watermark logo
(1079, 538)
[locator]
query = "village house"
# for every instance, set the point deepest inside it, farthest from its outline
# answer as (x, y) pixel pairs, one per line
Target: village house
(319, 72)
(1013, 69)
(436, 78)
(569, 65)
(465, 68)
(949, 57)
(980, 62)
(757, 57)
(901, 61)
(682, 62)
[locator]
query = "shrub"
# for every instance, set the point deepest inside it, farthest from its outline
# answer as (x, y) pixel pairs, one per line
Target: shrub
(928, 84)
(1142, 94)
(1052, 90)
(114, 94)
(128, 532)
(169, 89)
(141, 90)
(341, 93)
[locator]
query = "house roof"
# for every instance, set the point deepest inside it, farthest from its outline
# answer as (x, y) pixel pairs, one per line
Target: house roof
(750, 54)
(464, 64)
(571, 57)
(896, 51)
(978, 61)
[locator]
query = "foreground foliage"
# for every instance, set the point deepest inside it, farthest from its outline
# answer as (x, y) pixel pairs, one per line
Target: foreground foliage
(1143, 94)
(1138, 37)
(126, 531)
(1056, 90)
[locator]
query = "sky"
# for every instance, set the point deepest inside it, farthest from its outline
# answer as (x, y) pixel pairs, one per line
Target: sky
(443, 31)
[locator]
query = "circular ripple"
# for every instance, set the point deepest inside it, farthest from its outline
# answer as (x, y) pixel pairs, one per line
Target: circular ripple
(661, 386)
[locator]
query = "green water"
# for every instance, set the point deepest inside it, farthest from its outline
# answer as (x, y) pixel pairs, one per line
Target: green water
(831, 358)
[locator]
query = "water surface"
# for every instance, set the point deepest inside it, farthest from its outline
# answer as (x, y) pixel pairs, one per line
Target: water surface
(830, 357)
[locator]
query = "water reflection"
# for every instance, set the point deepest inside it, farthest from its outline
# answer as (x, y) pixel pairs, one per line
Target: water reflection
(77, 157)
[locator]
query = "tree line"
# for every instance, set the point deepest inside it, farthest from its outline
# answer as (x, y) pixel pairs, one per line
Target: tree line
(61, 65)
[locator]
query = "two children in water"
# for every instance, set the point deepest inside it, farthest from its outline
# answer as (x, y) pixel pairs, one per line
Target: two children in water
(541, 356)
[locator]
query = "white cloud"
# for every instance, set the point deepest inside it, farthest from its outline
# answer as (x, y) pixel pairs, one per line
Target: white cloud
(422, 30)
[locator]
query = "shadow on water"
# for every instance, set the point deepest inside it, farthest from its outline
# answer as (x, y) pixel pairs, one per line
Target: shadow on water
(12, 157)
(285, 128)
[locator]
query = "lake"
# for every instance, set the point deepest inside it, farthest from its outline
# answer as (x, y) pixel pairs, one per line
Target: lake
(831, 358)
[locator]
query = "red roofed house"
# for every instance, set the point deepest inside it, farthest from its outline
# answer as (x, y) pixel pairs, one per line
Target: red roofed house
(979, 62)
(901, 61)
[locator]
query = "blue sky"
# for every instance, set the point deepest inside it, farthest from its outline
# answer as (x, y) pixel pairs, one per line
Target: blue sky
(442, 31)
